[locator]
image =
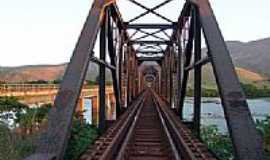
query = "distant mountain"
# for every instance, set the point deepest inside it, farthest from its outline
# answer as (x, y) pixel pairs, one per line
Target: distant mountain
(32, 73)
(253, 56)
(42, 72)
(245, 76)
(252, 60)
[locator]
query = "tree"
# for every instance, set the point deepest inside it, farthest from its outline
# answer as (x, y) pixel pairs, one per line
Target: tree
(11, 104)
(10, 108)
(33, 117)
(264, 128)
(13, 147)
(6, 143)
(38, 82)
(57, 81)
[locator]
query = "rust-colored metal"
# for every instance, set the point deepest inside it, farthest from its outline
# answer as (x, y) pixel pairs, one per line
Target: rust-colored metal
(190, 147)
(152, 123)
(147, 140)
(149, 130)
(105, 147)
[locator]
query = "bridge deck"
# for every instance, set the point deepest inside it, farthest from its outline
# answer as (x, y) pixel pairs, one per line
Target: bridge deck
(148, 140)
(148, 130)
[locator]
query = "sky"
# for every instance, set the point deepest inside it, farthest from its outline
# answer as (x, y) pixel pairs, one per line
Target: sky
(46, 31)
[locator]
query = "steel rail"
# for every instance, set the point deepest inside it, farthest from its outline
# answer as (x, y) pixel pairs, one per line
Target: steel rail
(106, 145)
(168, 134)
(129, 134)
(189, 147)
(114, 143)
(121, 155)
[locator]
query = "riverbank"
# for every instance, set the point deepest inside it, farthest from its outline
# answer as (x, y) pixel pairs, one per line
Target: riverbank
(251, 91)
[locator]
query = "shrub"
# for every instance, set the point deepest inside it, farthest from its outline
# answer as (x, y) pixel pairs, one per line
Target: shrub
(264, 128)
(12, 147)
(219, 144)
(82, 136)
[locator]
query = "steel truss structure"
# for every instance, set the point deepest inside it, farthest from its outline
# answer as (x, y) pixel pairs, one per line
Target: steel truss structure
(180, 53)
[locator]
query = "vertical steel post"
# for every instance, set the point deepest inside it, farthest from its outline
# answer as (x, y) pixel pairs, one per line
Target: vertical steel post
(197, 73)
(128, 64)
(247, 143)
(171, 76)
(125, 75)
(136, 78)
(120, 63)
(133, 75)
(162, 78)
(179, 72)
(166, 75)
(102, 76)
(112, 56)
(188, 54)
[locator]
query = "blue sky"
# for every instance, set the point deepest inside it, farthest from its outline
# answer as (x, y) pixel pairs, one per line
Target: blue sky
(46, 31)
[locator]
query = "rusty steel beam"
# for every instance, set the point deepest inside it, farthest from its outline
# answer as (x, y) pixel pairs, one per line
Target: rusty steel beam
(125, 73)
(117, 18)
(188, 54)
(102, 73)
(150, 26)
(101, 62)
(200, 62)
(181, 22)
(164, 84)
(165, 77)
(128, 63)
(150, 52)
(150, 58)
(150, 42)
(112, 56)
(150, 10)
(120, 69)
(53, 144)
(197, 73)
(153, 47)
(150, 35)
(166, 34)
(179, 71)
(247, 142)
(171, 76)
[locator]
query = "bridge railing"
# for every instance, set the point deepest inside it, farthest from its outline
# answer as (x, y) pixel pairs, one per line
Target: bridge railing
(4, 88)
(9, 89)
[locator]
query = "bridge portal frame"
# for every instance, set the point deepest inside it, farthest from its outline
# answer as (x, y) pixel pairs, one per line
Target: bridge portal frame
(196, 15)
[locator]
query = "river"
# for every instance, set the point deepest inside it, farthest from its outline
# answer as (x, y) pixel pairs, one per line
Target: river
(212, 112)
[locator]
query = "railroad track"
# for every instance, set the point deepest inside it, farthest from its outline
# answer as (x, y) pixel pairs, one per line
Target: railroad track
(148, 130)
(147, 138)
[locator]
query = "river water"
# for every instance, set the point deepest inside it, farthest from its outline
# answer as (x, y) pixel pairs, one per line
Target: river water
(212, 112)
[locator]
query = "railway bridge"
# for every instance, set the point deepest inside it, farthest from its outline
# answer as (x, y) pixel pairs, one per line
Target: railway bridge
(151, 63)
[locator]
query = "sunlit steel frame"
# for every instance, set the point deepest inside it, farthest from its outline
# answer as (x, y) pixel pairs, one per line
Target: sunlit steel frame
(247, 143)
(124, 63)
